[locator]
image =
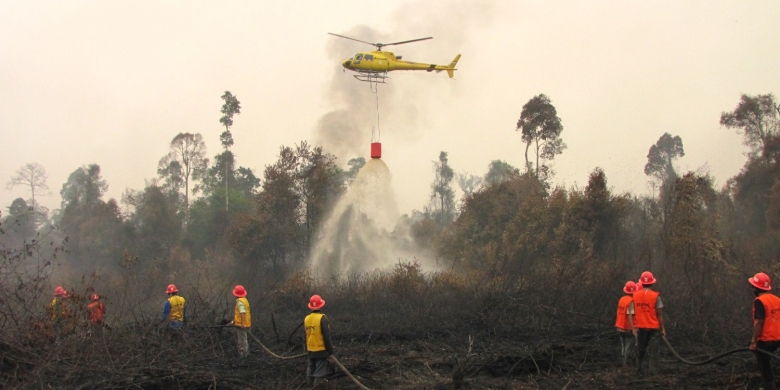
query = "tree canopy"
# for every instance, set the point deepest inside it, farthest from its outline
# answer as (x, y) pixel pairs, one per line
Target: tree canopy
(541, 128)
(660, 158)
(757, 117)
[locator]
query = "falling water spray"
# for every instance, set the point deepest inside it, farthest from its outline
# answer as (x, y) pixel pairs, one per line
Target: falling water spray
(359, 235)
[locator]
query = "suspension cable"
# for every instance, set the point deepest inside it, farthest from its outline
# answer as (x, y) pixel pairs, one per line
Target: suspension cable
(378, 129)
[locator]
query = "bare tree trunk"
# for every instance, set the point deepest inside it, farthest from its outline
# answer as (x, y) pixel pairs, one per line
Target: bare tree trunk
(186, 199)
(537, 157)
(227, 200)
(32, 189)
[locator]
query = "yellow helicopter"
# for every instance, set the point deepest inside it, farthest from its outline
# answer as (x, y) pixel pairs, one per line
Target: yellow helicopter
(373, 66)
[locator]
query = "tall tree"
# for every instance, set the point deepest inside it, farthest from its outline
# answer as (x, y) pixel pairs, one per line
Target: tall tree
(296, 193)
(319, 182)
(660, 158)
(355, 165)
(33, 176)
(241, 179)
(85, 186)
(468, 183)
(758, 118)
(442, 195)
(93, 226)
(189, 151)
(231, 107)
(541, 128)
(156, 225)
(500, 171)
(20, 224)
(172, 176)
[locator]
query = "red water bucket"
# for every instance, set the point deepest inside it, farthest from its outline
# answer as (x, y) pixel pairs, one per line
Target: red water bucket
(376, 150)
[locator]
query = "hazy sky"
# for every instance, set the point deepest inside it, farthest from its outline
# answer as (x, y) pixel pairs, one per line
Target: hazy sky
(112, 83)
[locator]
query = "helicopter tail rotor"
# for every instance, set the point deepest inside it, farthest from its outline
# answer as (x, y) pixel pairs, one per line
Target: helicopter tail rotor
(451, 70)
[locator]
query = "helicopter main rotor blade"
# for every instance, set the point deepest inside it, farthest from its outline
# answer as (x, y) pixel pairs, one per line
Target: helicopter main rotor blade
(372, 44)
(413, 40)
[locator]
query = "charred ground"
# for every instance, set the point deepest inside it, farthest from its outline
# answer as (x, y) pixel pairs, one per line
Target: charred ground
(394, 330)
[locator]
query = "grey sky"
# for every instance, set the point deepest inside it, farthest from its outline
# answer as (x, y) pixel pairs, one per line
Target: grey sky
(113, 82)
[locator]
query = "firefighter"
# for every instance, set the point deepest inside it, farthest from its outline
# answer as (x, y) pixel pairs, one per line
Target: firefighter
(59, 313)
(624, 323)
(766, 326)
(242, 320)
(648, 322)
(173, 309)
(318, 344)
(96, 310)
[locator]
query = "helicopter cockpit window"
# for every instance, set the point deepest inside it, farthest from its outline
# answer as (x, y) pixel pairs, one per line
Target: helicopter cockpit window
(358, 57)
(369, 57)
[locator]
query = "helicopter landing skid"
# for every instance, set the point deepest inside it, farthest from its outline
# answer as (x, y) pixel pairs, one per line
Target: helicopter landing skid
(372, 77)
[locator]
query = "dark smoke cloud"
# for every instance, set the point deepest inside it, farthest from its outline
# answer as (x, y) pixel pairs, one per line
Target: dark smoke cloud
(346, 130)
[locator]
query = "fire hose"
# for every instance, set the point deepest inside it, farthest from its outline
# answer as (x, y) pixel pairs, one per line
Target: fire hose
(332, 358)
(716, 357)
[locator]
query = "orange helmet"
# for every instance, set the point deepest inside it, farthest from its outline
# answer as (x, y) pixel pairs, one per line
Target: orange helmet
(761, 281)
(95, 297)
(172, 289)
(239, 291)
(630, 287)
(316, 302)
(647, 278)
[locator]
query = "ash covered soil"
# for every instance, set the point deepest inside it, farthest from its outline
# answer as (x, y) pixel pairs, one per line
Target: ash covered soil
(587, 361)
(205, 359)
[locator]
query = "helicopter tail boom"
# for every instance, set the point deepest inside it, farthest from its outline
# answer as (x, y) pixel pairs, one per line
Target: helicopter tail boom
(451, 67)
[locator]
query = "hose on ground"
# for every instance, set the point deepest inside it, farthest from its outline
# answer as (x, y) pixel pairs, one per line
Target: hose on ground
(272, 352)
(341, 366)
(332, 358)
(716, 357)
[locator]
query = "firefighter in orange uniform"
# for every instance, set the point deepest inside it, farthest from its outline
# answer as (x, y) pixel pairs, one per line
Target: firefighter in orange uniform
(96, 311)
(625, 321)
(648, 322)
(766, 326)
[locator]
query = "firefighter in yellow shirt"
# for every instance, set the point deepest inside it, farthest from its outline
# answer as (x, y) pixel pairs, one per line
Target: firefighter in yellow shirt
(59, 314)
(174, 308)
(242, 320)
(318, 344)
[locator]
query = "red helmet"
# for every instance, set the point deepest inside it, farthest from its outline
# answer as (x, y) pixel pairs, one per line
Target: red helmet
(647, 278)
(95, 297)
(639, 286)
(761, 281)
(316, 302)
(239, 291)
(60, 292)
(172, 289)
(630, 287)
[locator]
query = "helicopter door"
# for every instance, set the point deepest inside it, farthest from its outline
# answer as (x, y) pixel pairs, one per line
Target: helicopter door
(357, 59)
(369, 61)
